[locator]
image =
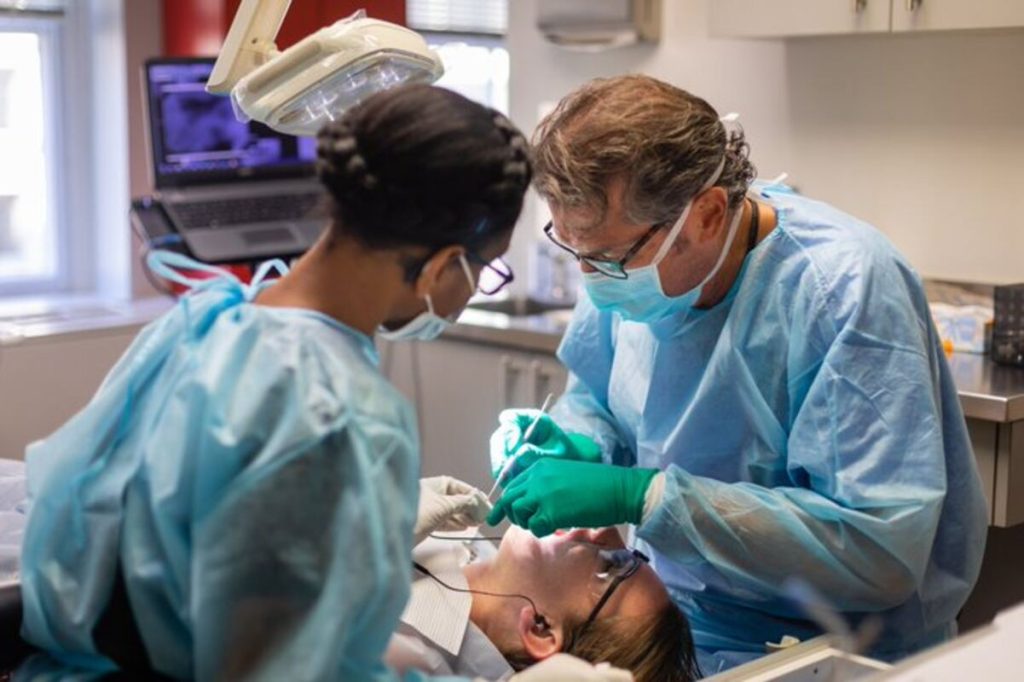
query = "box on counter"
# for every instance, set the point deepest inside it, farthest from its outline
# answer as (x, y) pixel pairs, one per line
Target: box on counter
(964, 328)
(1008, 327)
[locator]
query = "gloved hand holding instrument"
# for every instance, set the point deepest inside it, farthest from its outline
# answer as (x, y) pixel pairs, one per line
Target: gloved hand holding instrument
(525, 436)
(561, 493)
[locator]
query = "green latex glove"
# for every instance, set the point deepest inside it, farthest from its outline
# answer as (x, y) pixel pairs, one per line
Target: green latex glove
(547, 440)
(559, 493)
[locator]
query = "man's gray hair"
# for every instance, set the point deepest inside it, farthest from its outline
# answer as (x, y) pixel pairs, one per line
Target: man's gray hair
(662, 142)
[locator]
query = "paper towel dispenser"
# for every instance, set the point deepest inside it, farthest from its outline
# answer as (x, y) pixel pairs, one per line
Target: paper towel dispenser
(593, 25)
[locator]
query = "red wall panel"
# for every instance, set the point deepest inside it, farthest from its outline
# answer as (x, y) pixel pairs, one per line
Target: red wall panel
(198, 27)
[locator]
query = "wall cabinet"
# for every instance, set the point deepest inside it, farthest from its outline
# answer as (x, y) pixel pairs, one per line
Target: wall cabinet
(780, 18)
(458, 389)
(942, 15)
(791, 18)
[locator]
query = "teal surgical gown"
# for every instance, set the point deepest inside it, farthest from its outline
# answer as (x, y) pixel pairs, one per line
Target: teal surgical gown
(253, 478)
(808, 426)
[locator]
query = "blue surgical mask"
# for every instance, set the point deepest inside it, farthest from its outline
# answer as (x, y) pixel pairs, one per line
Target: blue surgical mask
(428, 325)
(641, 297)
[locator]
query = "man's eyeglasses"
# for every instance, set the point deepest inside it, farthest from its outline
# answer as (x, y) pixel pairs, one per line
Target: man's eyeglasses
(615, 269)
(494, 275)
(615, 568)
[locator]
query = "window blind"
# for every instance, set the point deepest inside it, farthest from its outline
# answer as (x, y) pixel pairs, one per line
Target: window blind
(458, 16)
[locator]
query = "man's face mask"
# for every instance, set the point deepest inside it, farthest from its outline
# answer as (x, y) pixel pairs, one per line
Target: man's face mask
(641, 297)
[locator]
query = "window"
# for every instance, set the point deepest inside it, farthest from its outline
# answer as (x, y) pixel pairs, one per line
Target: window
(28, 220)
(63, 149)
(468, 35)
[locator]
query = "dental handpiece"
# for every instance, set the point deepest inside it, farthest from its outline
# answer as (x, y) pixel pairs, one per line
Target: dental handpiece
(525, 439)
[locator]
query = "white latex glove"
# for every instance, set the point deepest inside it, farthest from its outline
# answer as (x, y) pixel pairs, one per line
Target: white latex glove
(448, 504)
(566, 668)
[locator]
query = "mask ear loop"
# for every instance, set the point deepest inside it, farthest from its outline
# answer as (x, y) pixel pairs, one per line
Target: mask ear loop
(469, 273)
(678, 227)
(469, 278)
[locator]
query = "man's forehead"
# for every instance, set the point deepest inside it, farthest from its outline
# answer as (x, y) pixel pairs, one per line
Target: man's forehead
(591, 231)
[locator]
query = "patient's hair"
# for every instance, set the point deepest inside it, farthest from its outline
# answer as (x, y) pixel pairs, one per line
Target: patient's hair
(658, 649)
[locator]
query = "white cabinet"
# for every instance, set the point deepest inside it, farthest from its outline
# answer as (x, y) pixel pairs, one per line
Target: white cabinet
(781, 18)
(458, 389)
(45, 381)
(943, 15)
(792, 18)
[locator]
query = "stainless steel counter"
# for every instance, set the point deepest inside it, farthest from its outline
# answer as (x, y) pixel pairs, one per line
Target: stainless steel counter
(988, 391)
(540, 333)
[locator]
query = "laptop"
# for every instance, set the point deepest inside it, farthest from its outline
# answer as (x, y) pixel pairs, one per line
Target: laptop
(233, 191)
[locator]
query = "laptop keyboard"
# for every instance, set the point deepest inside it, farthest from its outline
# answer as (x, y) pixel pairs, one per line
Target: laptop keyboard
(248, 210)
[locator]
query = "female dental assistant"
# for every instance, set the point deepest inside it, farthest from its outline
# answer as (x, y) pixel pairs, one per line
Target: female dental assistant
(761, 376)
(238, 499)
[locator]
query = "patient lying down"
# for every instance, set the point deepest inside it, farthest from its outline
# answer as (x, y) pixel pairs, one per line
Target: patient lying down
(593, 598)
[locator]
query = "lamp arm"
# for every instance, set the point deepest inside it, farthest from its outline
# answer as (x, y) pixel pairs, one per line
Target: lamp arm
(249, 43)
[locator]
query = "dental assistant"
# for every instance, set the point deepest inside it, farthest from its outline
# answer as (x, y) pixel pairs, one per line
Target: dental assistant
(238, 499)
(755, 382)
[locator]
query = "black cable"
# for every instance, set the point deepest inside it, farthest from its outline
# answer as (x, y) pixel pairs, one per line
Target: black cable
(755, 225)
(158, 284)
(537, 618)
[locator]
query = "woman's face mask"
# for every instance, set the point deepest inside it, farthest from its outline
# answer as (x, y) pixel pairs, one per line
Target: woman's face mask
(428, 325)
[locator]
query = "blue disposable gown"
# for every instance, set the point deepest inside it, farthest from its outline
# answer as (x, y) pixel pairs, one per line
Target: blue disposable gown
(255, 477)
(808, 426)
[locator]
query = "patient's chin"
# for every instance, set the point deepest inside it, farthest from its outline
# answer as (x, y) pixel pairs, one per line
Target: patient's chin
(520, 543)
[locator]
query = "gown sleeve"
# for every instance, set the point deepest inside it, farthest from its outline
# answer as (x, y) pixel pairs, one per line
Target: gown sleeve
(867, 473)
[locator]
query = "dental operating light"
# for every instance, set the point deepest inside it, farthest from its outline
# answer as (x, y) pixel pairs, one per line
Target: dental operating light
(316, 80)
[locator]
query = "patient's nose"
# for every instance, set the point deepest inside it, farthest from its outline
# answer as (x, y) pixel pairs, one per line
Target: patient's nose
(608, 537)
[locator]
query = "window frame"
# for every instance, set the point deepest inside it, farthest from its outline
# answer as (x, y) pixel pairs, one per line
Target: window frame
(52, 35)
(85, 109)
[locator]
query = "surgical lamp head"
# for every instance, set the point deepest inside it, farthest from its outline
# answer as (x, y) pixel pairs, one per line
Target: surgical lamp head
(323, 75)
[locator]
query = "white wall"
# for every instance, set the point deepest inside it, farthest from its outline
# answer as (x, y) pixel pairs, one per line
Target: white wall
(921, 135)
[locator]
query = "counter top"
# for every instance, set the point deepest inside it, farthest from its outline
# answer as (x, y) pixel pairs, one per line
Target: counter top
(988, 391)
(539, 333)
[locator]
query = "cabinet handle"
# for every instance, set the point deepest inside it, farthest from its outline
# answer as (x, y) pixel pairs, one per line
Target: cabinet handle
(535, 382)
(859, 6)
(914, 5)
(508, 368)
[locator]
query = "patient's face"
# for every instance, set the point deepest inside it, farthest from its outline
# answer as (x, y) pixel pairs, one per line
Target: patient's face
(558, 571)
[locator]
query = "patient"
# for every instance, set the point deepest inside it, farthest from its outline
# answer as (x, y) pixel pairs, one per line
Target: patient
(592, 602)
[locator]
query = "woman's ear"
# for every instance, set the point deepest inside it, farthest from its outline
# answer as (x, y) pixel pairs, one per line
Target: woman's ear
(539, 636)
(434, 269)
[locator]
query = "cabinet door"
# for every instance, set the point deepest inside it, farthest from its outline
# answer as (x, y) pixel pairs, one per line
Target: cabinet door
(44, 383)
(781, 18)
(458, 402)
(937, 15)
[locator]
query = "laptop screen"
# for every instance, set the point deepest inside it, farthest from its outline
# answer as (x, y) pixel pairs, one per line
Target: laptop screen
(195, 137)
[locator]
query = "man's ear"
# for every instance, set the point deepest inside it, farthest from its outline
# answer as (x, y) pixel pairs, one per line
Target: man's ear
(713, 209)
(540, 639)
(433, 270)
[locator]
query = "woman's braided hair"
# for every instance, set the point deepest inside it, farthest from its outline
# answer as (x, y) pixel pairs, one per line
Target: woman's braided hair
(423, 166)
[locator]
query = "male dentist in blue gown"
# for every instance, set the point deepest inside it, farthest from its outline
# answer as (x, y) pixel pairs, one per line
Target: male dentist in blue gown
(759, 378)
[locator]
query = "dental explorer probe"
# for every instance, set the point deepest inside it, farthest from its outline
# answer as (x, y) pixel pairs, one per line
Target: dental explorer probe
(526, 439)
